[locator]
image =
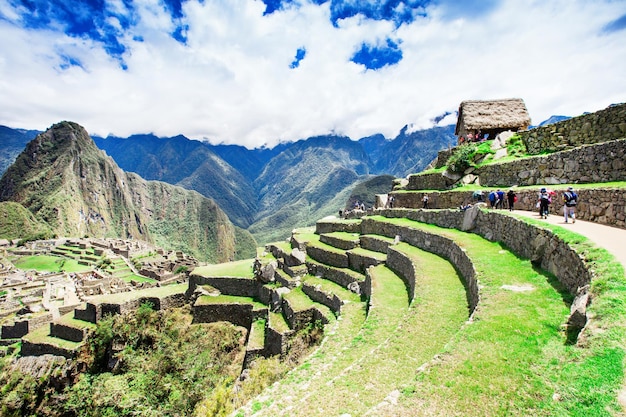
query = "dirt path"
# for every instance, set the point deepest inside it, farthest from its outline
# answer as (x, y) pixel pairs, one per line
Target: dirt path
(610, 238)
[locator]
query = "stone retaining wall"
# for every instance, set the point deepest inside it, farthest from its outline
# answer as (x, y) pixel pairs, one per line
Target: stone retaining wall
(37, 349)
(594, 163)
(330, 300)
(339, 243)
(374, 243)
(334, 225)
(601, 205)
(402, 266)
(243, 287)
(66, 332)
(339, 260)
(360, 262)
(540, 245)
(601, 126)
(237, 314)
(602, 162)
(338, 276)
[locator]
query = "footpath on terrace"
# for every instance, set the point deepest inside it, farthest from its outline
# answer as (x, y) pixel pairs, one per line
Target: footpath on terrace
(610, 238)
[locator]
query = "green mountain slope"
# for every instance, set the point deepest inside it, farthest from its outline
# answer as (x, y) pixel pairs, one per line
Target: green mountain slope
(16, 222)
(301, 184)
(66, 181)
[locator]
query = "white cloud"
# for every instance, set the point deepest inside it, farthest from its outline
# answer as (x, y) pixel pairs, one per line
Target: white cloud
(232, 82)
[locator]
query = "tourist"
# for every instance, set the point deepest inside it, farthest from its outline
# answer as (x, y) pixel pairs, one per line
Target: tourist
(500, 200)
(512, 198)
(544, 203)
(570, 198)
(425, 201)
(492, 199)
(477, 196)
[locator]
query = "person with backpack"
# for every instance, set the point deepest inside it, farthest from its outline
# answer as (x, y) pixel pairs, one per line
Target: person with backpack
(570, 198)
(544, 203)
(512, 197)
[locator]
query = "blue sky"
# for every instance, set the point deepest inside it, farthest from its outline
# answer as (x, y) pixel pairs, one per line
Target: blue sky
(255, 72)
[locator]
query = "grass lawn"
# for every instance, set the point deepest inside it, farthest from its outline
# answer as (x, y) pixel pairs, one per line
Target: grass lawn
(241, 269)
(48, 263)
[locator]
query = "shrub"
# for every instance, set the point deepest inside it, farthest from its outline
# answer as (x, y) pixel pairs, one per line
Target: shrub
(462, 158)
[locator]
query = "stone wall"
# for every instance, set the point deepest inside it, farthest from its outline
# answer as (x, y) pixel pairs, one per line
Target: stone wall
(330, 300)
(601, 205)
(602, 162)
(328, 257)
(237, 314)
(66, 332)
(402, 266)
(243, 287)
(37, 349)
(601, 126)
(338, 276)
(540, 245)
(334, 225)
(595, 163)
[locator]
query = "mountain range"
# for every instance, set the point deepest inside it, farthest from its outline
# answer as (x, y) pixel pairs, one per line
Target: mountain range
(268, 191)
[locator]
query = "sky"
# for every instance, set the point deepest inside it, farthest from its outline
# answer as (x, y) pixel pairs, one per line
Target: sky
(260, 72)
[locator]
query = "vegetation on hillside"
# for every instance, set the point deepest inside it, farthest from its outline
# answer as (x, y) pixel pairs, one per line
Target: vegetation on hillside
(16, 222)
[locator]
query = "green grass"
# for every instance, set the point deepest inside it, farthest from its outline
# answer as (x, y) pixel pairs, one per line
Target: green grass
(42, 335)
(242, 269)
(257, 334)
(48, 263)
(514, 359)
(277, 322)
(228, 299)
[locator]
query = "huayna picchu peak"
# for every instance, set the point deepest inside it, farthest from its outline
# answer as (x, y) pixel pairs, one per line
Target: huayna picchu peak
(67, 182)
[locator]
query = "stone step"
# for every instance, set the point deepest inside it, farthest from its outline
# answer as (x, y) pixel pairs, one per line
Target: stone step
(326, 292)
(330, 225)
(71, 329)
(327, 254)
(376, 243)
(341, 240)
(345, 277)
(299, 310)
(360, 259)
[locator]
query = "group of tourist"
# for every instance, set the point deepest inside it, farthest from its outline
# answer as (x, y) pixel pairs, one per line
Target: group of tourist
(570, 200)
(499, 199)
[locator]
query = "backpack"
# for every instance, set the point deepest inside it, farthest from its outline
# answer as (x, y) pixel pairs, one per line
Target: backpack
(570, 198)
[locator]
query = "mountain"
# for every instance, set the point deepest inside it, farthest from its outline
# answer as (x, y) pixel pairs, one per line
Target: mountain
(365, 191)
(16, 222)
(309, 180)
(553, 119)
(411, 152)
(249, 162)
(12, 142)
(71, 185)
(190, 164)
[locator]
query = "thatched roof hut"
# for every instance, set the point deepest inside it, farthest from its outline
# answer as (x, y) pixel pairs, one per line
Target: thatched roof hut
(491, 117)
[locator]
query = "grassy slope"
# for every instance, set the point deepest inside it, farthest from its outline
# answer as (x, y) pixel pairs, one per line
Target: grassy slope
(514, 358)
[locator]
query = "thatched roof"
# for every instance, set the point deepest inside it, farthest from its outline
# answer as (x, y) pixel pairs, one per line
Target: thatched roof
(492, 114)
